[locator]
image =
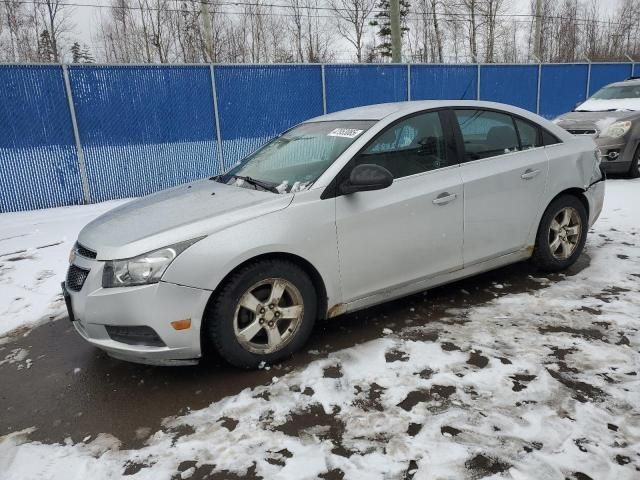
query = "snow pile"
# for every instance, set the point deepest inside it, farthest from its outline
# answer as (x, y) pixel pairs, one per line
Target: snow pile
(34, 255)
(542, 384)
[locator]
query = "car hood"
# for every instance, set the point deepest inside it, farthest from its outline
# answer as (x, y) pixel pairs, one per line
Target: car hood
(175, 215)
(590, 120)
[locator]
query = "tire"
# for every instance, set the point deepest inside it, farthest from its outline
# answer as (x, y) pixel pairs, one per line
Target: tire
(634, 168)
(558, 248)
(242, 326)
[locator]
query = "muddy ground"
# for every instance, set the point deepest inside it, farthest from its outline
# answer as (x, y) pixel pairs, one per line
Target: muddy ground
(69, 389)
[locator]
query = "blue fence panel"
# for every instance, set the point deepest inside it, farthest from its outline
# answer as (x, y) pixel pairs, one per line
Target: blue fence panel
(257, 102)
(605, 73)
(561, 87)
(144, 128)
(350, 86)
(444, 82)
(38, 161)
(513, 84)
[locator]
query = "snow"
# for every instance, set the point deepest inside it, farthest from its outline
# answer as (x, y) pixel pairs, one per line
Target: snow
(619, 104)
(34, 255)
(542, 384)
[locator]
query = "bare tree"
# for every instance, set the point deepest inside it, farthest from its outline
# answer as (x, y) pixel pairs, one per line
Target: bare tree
(56, 16)
(352, 19)
(471, 8)
(490, 10)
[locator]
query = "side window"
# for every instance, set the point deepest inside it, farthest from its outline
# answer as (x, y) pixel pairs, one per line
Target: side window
(549, 138)
(486, 134)
(414, 145)
(529, 137)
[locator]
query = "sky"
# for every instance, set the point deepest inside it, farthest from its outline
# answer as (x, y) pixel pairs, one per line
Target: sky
(87, 18)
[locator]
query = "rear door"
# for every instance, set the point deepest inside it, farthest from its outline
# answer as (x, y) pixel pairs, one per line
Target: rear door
(412, 229)
(504, 172)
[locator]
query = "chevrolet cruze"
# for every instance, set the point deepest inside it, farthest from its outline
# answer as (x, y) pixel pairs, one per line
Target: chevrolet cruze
(339, 213)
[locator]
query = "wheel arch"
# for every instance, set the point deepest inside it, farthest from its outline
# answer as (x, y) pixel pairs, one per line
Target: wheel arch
(301, 262)
(579, 193)
(576, 192)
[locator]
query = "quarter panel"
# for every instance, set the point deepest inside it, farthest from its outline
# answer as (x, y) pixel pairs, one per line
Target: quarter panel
(572, 164)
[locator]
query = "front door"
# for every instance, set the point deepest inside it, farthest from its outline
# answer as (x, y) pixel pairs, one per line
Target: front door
(412, 229)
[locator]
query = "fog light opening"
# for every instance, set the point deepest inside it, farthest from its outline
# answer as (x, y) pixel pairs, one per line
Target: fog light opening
(613, 154)
(138, 335)
(181, 324)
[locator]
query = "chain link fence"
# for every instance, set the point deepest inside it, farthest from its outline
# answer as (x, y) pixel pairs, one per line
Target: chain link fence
(89, 133)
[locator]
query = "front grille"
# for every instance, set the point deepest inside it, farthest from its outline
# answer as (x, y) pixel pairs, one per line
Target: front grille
(582, 131)
(85, 252)
(76, 277)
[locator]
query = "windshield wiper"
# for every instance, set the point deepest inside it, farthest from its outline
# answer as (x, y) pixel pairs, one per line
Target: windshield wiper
(257, 183)
(600, 111)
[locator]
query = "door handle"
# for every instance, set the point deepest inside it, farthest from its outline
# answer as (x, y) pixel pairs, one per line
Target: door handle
(445, 198)
(529, 174)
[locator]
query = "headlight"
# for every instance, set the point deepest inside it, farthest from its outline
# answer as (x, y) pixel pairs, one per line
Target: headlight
(144, 269)
(616, 130)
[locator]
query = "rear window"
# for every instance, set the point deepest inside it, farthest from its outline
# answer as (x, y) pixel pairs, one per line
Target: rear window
(549, 138)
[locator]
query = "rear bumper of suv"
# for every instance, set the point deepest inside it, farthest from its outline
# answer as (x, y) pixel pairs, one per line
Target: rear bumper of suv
(135, 323)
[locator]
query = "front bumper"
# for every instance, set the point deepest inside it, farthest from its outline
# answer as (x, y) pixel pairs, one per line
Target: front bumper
(617, 154)
(155, 306)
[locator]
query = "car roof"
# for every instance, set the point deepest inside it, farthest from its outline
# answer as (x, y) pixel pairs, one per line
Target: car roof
(397, 109)
(386, 113)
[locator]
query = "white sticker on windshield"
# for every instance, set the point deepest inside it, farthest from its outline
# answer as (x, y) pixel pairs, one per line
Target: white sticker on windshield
(345, 132)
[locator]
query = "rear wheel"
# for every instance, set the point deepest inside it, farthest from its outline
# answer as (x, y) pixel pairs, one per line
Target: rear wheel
(634, 169)
(561, 235)
(264, 312)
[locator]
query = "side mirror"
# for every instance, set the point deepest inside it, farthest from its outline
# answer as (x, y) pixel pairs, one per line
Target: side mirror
(366, 177)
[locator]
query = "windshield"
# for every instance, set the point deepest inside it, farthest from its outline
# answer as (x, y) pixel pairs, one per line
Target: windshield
(617, 92)
(294, 160)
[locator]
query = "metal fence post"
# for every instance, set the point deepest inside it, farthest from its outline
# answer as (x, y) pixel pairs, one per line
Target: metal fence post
(324, 91)
(408, 82)
(216, 116)
(588, 80)
(538, 94)
(84, 179)
(478, 84)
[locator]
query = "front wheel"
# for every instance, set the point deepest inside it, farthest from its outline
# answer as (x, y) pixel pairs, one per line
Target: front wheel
(264, 312)
(561, 235)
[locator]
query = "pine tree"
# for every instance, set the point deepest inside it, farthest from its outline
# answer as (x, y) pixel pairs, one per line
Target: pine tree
(383, 22)
(81, 54)
(76, 55)
(86, 55)
(45, 47)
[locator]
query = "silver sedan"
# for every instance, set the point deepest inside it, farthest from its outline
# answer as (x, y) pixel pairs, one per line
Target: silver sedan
(339, 213)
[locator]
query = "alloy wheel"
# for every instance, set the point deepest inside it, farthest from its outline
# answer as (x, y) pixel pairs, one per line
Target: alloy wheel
(268, 315)
(564, 233)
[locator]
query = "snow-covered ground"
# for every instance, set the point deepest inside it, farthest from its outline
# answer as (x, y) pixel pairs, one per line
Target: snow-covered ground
(536, 385)
(34, 255)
